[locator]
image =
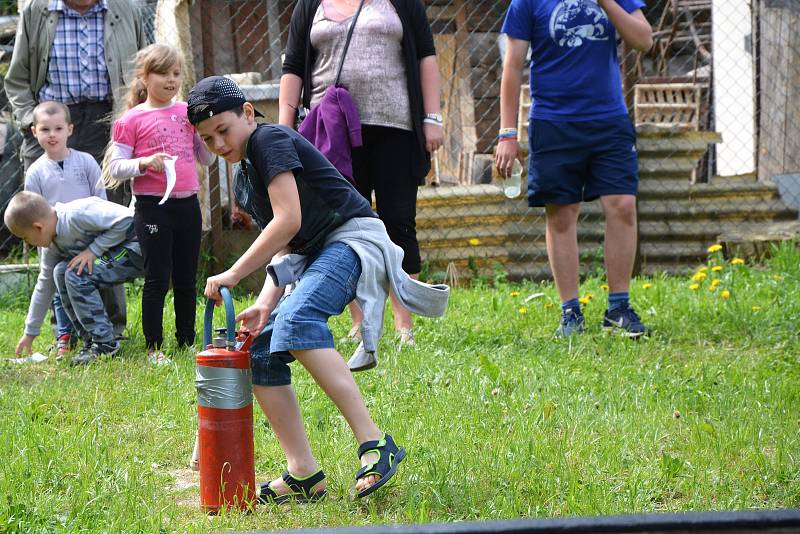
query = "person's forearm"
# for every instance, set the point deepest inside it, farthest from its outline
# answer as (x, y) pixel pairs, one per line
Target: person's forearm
(634, 30)
(431, 84)
(289, 99)
(270, 294)
(201, 152)
(510, 85)
(121, 163)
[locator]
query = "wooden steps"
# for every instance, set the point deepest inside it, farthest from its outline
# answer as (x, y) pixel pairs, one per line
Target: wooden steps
(476, 225)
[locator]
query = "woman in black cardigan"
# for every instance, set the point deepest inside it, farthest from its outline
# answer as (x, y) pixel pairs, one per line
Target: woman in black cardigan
(401, 120)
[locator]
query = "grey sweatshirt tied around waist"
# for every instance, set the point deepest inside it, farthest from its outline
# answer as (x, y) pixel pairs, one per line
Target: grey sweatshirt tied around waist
(381, 268)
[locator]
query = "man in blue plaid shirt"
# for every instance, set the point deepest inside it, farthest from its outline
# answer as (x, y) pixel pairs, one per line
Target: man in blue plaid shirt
(77, 71)
(76, 52)
(79, 53)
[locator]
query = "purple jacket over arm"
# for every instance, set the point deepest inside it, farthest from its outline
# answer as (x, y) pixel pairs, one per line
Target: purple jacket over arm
(333, 126)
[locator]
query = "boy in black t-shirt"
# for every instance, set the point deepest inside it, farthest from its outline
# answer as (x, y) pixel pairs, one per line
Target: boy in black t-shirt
(297, 198)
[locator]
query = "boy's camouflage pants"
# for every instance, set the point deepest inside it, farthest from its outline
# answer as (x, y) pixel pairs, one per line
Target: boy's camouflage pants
(80, 295)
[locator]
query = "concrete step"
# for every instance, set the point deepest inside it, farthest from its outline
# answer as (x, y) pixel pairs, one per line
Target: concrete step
(656, 164)
(689, 144)
(670, 185)
(530, 260)
(718, 188)
(694, 143)
(510, 234)
(711, 209)
(733, 210)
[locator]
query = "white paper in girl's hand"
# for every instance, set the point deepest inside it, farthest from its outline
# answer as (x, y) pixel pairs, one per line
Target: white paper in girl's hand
(172, 177)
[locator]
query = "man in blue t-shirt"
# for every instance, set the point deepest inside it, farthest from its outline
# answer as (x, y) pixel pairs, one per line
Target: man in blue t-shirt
(582, 145)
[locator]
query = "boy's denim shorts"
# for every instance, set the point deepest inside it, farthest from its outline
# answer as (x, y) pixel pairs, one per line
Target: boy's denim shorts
(300, 320)
(571, 162)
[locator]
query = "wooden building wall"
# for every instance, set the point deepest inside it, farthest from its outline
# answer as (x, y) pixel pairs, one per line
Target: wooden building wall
(778, 84)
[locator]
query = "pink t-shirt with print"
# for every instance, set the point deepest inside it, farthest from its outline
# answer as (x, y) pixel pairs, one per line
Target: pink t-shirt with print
(148, 131)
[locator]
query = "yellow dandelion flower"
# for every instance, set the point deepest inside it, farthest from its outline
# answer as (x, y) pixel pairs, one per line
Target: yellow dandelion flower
(584, 300)
(604, 287)
(474, 242)
(523, 310)
(737, 261)
(647, 286)
(714, 248)
(777, 277)
(725, 294)
(699, 276)
(712, 287)
(715, 282)
(515, 293)
(716, 268)
(702, 269)
(694, 287)
(548, 304)
(756, 308)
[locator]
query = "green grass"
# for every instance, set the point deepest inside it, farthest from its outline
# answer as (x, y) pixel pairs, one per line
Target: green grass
(500, 420)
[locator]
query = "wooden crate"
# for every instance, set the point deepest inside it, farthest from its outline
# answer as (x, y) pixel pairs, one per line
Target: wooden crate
(674, 105)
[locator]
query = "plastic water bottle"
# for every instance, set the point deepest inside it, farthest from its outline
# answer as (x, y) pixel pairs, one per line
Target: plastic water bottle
(512, 185)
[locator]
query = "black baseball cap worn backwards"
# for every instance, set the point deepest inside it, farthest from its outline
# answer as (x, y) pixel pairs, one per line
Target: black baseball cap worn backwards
(212, 96)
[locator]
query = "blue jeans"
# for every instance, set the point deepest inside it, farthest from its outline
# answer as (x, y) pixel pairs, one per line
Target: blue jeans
(63, 324)
(300, 320)
(80, 295)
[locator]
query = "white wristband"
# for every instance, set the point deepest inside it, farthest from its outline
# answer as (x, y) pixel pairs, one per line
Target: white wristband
(432, 121)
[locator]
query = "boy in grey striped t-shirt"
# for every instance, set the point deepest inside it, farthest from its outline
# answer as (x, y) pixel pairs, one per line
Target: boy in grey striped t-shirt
(61, 174)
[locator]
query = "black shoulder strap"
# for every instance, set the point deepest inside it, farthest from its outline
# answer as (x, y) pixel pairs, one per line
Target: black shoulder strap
(347, 42)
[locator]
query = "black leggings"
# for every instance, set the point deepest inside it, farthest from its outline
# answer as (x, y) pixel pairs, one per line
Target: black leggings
(170, 239)
(384, 165)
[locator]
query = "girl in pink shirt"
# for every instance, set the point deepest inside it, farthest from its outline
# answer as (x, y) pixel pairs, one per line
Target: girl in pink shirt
(153, 133)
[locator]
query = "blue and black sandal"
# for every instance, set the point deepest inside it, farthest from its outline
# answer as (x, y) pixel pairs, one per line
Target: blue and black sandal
(389, 455)
(301, 489)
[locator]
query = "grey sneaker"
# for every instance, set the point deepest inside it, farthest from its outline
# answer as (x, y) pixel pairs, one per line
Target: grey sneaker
(572, 322)
(361, 360)
(90, 353)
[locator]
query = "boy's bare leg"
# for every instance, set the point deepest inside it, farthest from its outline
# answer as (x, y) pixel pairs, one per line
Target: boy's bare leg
(330, 371)
(357, 315)
(402, 317)
(279, 404)
(562, 247)
(620, 240)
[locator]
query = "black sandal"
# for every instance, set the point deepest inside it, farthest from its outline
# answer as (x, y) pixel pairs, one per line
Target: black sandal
(301, 489)
(389, 455)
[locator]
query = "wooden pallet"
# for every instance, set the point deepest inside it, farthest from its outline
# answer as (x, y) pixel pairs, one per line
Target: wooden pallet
(671, 105)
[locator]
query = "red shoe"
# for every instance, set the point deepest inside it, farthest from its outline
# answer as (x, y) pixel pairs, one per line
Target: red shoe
(63, 346)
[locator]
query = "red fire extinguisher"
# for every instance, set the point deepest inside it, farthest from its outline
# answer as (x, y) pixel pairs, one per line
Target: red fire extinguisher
(225, 415)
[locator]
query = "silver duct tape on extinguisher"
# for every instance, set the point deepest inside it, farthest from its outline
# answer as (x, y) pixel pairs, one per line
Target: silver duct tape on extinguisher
(224, 388)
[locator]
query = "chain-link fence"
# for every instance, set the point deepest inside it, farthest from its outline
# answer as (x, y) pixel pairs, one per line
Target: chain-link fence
(715, 103)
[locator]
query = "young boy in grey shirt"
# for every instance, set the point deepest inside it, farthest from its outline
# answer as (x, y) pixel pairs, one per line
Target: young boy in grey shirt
(61, 174)
(89, 243)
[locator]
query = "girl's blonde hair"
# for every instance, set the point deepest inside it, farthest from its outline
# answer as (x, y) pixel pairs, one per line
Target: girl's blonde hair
(157, 59)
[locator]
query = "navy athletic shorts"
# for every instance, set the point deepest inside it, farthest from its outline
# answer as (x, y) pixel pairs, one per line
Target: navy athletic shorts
(571, 162)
